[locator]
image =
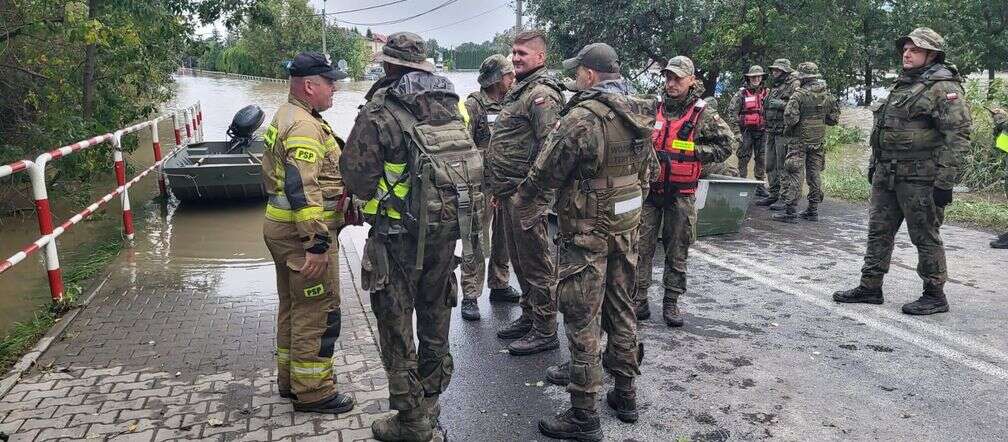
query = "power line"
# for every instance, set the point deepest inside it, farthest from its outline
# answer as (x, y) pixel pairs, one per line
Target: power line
(397, 21)
(465, 19)
(366, 8)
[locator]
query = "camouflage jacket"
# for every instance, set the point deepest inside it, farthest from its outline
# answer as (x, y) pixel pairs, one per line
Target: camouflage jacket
(483, 112)
(1000, 117)
(811, 108)
(301, 173)
(775, 102)
(922, 129)
(528, 112)
(735, 108)
(715, 141)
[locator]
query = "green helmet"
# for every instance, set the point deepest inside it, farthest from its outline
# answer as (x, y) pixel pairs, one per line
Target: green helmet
(807, 69)
(924, 38)
(782, 64)
(755, 71)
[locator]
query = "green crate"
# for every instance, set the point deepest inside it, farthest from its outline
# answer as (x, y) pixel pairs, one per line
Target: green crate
(722, 203)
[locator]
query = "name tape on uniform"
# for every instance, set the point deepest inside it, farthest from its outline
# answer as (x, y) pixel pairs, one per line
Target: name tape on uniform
(629, 205)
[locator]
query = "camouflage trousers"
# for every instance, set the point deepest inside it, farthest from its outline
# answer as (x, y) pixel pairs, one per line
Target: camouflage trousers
(533, 263)
(497, 272)
(397, 290)
(596, 281)
(776, 155)
(889, 207)
(677, 224)
(805, 162)
(753, 147)
(308, 317)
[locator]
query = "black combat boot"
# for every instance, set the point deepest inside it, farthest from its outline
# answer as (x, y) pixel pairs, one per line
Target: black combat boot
(931, 301)
(516, 329)
(767, 201)
(642, 310)
(778, 206)
(575, 423)
(787, 216)
(811, 213)
(470, 310)
(859, 295)
(506, 294)
(335, 404)
(670, 312)
(533, 342)
(559, 374)
(406, 426)
(286, 393)
(1001, 242)
(761, 191)
(624, 401)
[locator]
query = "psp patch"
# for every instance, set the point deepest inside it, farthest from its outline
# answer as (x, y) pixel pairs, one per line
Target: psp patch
(313, 291)
(305, 155)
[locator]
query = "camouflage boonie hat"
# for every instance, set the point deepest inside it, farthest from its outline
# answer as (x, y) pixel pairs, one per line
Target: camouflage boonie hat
(406, 49)
(807, 69)
(493, 70)
(782, 64)
(924, 38)
(755, 71)
(680, 65)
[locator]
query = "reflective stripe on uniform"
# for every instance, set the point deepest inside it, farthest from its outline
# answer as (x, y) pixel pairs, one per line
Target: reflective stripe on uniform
(629, 205)
(281, 202)
(310, 370)
(464, 112)
(393, 172)
(277, 214)
(283, 356)
(270, 136)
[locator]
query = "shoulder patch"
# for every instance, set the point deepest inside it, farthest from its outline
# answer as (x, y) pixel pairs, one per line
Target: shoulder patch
(952, 96)
(305, 155)
(539, 101)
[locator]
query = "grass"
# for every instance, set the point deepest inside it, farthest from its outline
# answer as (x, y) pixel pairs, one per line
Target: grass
(845, 179)
(78, 269)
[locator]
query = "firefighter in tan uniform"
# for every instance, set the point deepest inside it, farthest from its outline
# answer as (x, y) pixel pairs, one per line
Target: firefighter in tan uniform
(303, 217)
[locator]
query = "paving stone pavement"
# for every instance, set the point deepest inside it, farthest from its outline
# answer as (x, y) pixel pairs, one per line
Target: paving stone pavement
(152, 359)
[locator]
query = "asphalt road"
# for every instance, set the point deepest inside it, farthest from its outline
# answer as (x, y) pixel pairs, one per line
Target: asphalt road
(766, 354)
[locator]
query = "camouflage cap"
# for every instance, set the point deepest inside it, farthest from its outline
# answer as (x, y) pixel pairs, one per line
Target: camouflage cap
(406, 49)
(807, 69)
(493, 70)
(782, 64)
(755, 71)
(680, 65)
(598, 57)
(924, 38)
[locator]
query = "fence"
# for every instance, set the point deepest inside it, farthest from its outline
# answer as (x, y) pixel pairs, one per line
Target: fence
(190, 118)
(192, 71)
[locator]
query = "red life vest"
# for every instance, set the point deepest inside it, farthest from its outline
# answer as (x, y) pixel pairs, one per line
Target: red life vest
(673, 143)
(752, 109)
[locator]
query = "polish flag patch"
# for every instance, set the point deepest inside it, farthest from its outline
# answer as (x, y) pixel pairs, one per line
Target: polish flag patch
(539, 101)
(952, 96)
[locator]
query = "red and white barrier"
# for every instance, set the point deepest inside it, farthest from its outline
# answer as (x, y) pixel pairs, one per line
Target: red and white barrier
(36, 170)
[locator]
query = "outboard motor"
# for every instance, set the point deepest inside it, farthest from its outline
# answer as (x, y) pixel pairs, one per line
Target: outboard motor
(245, 123)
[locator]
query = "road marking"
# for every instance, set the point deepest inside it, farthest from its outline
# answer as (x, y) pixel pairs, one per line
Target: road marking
(926, 343)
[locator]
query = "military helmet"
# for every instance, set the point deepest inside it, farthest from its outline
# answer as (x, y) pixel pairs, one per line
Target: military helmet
(755, 71)
(807, 69)
(924, 38)
(782, 64)
(493, 69)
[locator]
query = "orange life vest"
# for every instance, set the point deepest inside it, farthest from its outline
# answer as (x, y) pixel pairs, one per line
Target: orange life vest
(673, 143)
(752, 109)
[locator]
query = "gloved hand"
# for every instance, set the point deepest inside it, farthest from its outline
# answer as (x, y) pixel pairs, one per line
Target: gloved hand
(942, 197)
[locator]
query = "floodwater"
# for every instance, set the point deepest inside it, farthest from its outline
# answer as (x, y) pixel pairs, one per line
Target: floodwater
(220, 244)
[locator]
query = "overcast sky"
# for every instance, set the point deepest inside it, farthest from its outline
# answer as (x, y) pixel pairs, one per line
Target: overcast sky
(478, 20)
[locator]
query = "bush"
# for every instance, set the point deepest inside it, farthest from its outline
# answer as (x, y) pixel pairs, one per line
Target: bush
(840, 135)
(984, 167)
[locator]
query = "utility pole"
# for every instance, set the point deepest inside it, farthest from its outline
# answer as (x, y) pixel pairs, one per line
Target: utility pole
(518, 16)
(324, 50)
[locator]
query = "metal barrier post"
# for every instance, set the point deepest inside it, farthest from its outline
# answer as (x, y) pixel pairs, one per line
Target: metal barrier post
(175, 126)
(37, 173)
(156, 145)
(120, 173)
(195, 128)
(188, 129)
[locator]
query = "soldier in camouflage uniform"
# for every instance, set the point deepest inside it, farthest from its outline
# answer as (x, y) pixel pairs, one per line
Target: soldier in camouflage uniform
(922, 130)
(745, 116)
(1000, 117)
(598, 158)
(528, 113)
(496, 78)
(806, 115)
(777, 143)
(303, 217)
(417, 373)
(671, 203)
(728, 166)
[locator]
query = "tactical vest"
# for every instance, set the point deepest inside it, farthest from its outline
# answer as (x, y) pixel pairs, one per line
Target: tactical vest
(491, 109)
(437, 193)
(813, 106)
(752, 109)
(906, 140)
(680, 167)
(609, 199)
(774, 104)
